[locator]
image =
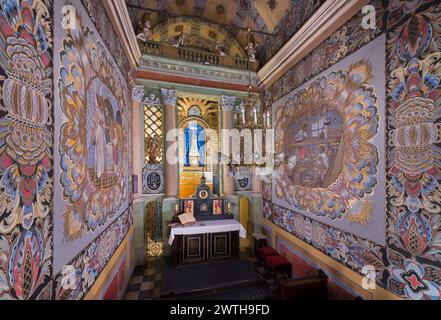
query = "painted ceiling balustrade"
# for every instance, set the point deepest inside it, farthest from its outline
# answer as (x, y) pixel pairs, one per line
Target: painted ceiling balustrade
(274, 21)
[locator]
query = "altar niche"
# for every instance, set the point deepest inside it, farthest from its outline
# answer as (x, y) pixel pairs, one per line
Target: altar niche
(198, 120)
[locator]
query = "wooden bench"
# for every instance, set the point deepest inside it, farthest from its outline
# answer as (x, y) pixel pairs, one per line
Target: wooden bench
(313, 287)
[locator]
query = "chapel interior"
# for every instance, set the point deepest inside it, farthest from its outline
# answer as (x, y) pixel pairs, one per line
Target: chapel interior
(220, 150)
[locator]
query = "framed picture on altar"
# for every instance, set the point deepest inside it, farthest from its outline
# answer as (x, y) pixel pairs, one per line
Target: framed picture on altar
(203, 208)
(217, 207)
(189, 207)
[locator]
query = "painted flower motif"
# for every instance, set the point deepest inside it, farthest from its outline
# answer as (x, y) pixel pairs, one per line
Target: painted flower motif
(25, 264)
(335, 245)
(361, 255)
(25, 158)
(299, 225)
(91, 266)
(267, 210)
(334, 48)
(415, 232)
(415, 37)
(4, 252)
(415, 171)
(318, 237)
(26, 183)
(417, 286)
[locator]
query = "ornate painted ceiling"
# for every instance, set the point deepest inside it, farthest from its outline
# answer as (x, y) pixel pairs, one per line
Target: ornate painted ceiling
(279, 17)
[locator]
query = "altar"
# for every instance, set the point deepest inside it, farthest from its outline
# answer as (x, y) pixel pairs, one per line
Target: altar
(213, 237)
(206, 241)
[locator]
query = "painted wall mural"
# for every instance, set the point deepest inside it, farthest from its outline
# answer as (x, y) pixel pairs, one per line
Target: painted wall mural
(409, 264)
(89, 264)
(328, 131)
(26, 169)
(95, 97)
(92, 132)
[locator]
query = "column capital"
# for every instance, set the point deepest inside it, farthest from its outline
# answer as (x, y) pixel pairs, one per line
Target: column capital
(169, 97)
(138, 93)
(228, 103)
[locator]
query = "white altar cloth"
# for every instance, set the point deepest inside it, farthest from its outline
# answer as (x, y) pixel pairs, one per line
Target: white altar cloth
(212, 226)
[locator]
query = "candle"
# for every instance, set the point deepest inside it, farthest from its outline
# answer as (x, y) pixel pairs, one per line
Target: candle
(177, 208)
(229, 207)
(243, 116)
(255, 116)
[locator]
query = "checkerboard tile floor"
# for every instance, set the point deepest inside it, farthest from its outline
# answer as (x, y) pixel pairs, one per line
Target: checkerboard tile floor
(147, 280)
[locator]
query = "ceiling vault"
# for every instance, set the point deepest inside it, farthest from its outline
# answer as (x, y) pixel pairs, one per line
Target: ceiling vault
(227, 26)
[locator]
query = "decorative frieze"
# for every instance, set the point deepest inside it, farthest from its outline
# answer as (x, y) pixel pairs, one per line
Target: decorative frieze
(168, 66)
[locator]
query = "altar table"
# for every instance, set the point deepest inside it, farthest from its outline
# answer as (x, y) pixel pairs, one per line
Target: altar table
(206, 241)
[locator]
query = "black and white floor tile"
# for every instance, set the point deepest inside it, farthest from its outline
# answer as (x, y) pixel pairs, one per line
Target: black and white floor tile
(146, 281)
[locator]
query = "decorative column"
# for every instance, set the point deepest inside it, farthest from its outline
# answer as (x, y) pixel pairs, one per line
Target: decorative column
(137, 165)
(137, 136)
(169, 100)
(256, 184)
(228, 104)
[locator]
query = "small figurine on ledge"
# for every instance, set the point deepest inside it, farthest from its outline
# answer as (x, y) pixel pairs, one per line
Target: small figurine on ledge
(180, 41)
(251, 50)
(146, 34)
(220, 48)
(251, 47)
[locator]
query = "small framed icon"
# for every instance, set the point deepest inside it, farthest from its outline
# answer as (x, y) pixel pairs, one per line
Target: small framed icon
(217, 207)
(189, 207)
